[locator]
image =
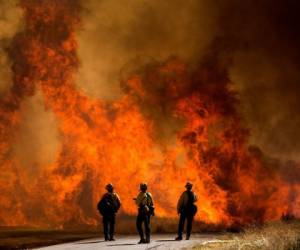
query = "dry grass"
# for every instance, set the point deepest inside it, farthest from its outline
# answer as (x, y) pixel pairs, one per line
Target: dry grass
(271, 236)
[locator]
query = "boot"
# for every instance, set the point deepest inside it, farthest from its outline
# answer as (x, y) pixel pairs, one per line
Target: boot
(178, 238)
(147, 239)
(142, 241)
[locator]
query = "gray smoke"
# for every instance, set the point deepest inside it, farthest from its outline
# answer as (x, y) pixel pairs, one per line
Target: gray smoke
(37, 141)
(117, 35)
(261, 37)
(10, 23)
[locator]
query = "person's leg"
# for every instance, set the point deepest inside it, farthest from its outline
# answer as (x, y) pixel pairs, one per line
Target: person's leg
(139, 221)
(147, 228)
(105, 227)
(189, 226)
(180, 226)
(112, 227)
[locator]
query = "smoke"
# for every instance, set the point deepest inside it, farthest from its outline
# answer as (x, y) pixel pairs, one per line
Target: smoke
(37, 142)
(10, 24)
(187, 60)
(37, 139)
(120, 35)
(266, 72)
(261, 38)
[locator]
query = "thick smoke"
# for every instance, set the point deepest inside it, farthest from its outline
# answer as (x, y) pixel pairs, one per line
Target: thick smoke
(186, 61)
(266, 70)
(261, 38)
(10, 24)
(37, 141)
(120, 35)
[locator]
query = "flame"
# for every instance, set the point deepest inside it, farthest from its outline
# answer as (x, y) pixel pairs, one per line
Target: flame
(172, 124)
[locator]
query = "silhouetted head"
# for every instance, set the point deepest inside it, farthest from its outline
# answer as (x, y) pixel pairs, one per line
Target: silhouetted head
(109, 187)
(188, 186)
(143, 187)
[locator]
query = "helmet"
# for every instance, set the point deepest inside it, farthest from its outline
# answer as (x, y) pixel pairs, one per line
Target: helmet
(109, 187)
(143, 186)
(188, 185)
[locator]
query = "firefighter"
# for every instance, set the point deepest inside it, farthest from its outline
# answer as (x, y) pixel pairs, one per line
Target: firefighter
(187, 210)
(108, 206)
(144, 202)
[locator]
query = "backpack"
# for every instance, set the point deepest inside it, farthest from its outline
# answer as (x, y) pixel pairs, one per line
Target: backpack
(147, 209)
(191, 208)
(151, 206)
(106, 205)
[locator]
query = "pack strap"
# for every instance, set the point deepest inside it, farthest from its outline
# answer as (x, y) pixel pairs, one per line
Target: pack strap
(147, 197)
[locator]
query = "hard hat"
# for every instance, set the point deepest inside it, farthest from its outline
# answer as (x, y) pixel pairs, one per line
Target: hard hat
(189, 185)
(143, 186)
(109, 187)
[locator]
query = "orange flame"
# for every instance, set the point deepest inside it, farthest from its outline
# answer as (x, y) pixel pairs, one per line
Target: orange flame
(203, 141)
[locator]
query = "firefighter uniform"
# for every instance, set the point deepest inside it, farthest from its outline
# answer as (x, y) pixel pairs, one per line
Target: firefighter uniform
(144, 202)
(187, 211)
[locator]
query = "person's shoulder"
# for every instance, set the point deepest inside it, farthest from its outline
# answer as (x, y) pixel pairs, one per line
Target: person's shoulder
(104, 196)
(115, 194)
(148, 193)
(140, 194)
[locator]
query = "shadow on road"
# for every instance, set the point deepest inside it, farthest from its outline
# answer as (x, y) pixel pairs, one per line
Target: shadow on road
(124, 244)
(90, 242)
(164, 240)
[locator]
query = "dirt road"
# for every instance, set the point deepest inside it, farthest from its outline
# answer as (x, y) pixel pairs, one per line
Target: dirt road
(159, 242)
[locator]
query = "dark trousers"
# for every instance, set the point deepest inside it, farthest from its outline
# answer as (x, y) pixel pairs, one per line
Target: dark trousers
(109, 226)
(189, 219)
(142, 218)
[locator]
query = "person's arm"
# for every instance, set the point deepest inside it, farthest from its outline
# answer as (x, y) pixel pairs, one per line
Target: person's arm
(195, 197)
(118, 201)
(180, 203)
(99, 204)
(150, 199)
(139, 199)
(102, 198)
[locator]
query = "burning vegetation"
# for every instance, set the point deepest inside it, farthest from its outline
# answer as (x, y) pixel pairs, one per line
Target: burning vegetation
(175, 121)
